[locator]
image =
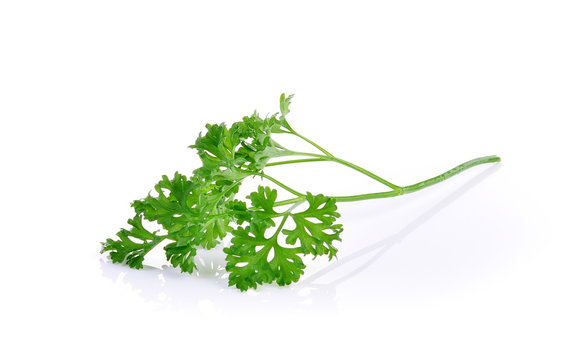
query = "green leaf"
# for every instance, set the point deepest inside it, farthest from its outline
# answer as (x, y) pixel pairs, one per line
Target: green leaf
(259, 147)
(181, 256)
(284, 105)
(239, 151)
(171, 209)
(264, 199)
(195, 214)
(253, 258)
(248, 259)
(315, 228)
(217, 147)
(132, 245)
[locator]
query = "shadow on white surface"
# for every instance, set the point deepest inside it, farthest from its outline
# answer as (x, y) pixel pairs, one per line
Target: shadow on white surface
(207, 291)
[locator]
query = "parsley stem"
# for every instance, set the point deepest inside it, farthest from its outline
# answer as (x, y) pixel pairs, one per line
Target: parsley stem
(448, 174)
(347, 163)
(365, 172)
(410, 188)
(350, 165)
(312, 143)
(289, 201)
(292, 191)
(295, 161)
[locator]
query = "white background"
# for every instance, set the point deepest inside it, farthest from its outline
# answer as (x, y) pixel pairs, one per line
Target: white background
(98, 99)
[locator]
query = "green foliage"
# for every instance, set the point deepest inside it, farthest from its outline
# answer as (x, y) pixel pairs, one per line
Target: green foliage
(315, 228)
(255, 258)
(284, 105)
(198, 212)
(131, 252)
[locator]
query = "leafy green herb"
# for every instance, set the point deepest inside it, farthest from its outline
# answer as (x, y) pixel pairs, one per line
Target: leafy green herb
(197, 212)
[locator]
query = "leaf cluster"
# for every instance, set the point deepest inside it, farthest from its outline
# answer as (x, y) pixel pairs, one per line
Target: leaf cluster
(197, 212)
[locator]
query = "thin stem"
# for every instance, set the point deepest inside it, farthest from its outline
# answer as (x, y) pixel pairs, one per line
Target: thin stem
(295, 161)
(312, 155)
(379, 195)
(366, 172)
(350, 165)
(448, 174)
(289, 201)
(312, 143)
(411, 188)
(280, 226)
(292, 191)
(347, 163)
(299, 201)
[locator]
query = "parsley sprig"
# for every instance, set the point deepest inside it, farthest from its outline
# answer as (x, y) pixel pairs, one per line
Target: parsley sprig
(197, 212)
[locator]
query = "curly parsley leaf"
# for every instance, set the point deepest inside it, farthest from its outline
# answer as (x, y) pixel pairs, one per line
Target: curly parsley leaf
(132, 245)
(285, 101)
(255, 258)
(315, 228)
(182, 256)
(194, 213)
(217, 148)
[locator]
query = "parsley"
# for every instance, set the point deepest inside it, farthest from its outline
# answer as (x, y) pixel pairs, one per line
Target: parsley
(197, 212)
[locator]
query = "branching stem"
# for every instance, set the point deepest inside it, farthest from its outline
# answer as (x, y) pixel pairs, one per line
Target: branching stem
(312, 143)
(295, 161)
(318, 157)
(410, 188)
(291, 190)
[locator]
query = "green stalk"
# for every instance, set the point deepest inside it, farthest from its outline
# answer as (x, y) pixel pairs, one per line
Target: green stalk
(448, 174)
(312, 143)
(411, 188)
(292, 191)
(295, 161)
(331, 157)
(365, 172)
(345, 163)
